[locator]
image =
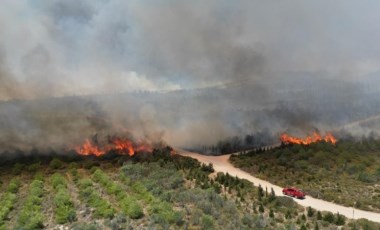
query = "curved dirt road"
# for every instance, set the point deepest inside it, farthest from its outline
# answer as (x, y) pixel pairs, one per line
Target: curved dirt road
(222, 164)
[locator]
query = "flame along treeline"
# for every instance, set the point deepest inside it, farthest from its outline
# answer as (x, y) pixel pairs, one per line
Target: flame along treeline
(315, 137)
(122, 146)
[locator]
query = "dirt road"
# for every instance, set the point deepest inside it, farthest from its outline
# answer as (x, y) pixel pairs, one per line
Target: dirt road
(222, 164)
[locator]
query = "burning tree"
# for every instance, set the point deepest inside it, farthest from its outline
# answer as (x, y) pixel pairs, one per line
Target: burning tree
(315, 137)
(122, 146)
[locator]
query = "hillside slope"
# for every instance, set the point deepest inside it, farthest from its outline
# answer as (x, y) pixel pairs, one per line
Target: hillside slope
(158, 190)
(348, 173)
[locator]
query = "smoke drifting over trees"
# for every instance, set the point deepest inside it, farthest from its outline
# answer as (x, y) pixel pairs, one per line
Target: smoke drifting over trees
(205, 70)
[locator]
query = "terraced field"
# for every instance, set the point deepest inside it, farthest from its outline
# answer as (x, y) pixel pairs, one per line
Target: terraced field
(154, 191)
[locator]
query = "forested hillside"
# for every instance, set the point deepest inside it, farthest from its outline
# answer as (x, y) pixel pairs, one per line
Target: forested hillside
(158, 190)
(347, 173)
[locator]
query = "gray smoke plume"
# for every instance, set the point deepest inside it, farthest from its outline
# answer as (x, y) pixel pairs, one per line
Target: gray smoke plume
(186, 72)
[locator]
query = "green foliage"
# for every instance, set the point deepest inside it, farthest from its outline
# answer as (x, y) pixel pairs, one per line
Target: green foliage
(207, 222)
(34, 167)
(272, 196)
(56, 163)
(30, 217)
(329, 217)
(261, 208)
(129, 204)
(17, 168)
(8, 199)
(340, 220)
(174, 192)
(319, 215)
(64, 208)
(260, 192)
(288, 214)
(132, 208)
(208, 168)
(271, 214)
(354, 164)
(13, 186)
(88, 193)
(310, 212)
(366, 177)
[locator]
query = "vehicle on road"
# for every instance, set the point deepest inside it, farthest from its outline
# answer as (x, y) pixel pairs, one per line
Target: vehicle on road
(294, 192)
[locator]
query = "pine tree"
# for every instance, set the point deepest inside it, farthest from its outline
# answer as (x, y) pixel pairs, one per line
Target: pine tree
(310, 212)
(261, 208)
(260, 192)
(319, 215)
(271, 214)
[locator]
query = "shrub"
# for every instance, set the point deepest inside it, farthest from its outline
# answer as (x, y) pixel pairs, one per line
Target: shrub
(13, 186)
(34, 167)
(247, 220)
(30, 216)
(56, 163)
(92, 197)
(365, 177)
(329, 217)
(340, 220)
(207, 222)
(261, 208)
(319, 215)
(310, 212)
(17, 168)
(131, 208)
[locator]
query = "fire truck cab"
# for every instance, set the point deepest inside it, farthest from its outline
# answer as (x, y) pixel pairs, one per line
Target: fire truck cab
(294, 192)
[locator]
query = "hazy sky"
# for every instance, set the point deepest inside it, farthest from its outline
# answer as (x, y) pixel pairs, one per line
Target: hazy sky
(68, 47)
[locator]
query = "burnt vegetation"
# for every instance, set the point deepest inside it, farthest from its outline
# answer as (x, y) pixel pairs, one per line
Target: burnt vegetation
(347, 173)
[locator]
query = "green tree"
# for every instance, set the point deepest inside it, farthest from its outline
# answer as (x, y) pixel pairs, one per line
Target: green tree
(329, 217)
(340, 220)
(207, 222)
(310, 212)
(261, 208)
(260, 192)
(272, 195)
(319, 215)
(288, 214)
(56, 163)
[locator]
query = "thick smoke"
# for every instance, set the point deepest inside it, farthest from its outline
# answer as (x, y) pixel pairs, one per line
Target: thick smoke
(187, 72)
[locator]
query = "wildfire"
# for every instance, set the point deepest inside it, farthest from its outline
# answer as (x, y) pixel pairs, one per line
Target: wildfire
(315, 137)
(122, 146)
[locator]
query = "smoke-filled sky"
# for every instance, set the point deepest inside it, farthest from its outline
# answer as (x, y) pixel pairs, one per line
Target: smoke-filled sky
(277, 65)
(67, 47)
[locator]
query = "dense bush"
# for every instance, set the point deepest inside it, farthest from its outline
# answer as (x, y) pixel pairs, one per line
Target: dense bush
(8, 200)
(56, 163)
(129, 204)
(331, 172)
(329, 217)
(161, 191)
(64, 207)
(30, 217)
(91, 196)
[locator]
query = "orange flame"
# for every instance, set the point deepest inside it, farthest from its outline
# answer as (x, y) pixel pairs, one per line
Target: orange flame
(315, 137)
(120, 145)
(89, 149)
